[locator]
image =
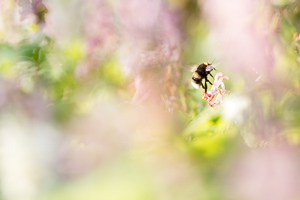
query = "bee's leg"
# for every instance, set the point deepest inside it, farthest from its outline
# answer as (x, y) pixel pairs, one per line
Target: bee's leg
(199, 82)
(205, 85)
(209, 81)
(202, 85)
(211, 75)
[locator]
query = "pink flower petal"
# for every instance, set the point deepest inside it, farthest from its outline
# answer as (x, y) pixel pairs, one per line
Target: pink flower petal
(215, 94)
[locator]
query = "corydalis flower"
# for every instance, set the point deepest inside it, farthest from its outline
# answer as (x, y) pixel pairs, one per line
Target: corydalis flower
(214, 96)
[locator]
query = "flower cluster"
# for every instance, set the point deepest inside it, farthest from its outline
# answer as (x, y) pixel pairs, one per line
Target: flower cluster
(214, 96)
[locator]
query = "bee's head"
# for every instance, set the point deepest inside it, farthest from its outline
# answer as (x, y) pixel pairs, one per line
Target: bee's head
(209, 67)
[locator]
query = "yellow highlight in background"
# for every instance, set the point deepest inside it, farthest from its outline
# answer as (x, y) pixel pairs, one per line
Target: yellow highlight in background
(73, 50)
(7, 70)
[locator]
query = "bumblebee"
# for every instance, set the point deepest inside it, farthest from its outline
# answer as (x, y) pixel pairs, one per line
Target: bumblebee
(202, 71)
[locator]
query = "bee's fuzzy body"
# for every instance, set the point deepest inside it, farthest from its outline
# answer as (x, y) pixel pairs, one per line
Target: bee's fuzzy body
(201, 73)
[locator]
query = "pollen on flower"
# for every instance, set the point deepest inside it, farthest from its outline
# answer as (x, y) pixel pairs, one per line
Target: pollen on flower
(215, 94)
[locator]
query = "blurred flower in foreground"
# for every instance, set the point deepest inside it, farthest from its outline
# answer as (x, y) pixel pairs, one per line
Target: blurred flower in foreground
(214, 96)
(151, 46)
(270, 173)
(244, 25)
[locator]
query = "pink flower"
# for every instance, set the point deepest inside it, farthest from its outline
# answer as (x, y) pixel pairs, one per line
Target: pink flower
(214, 96)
